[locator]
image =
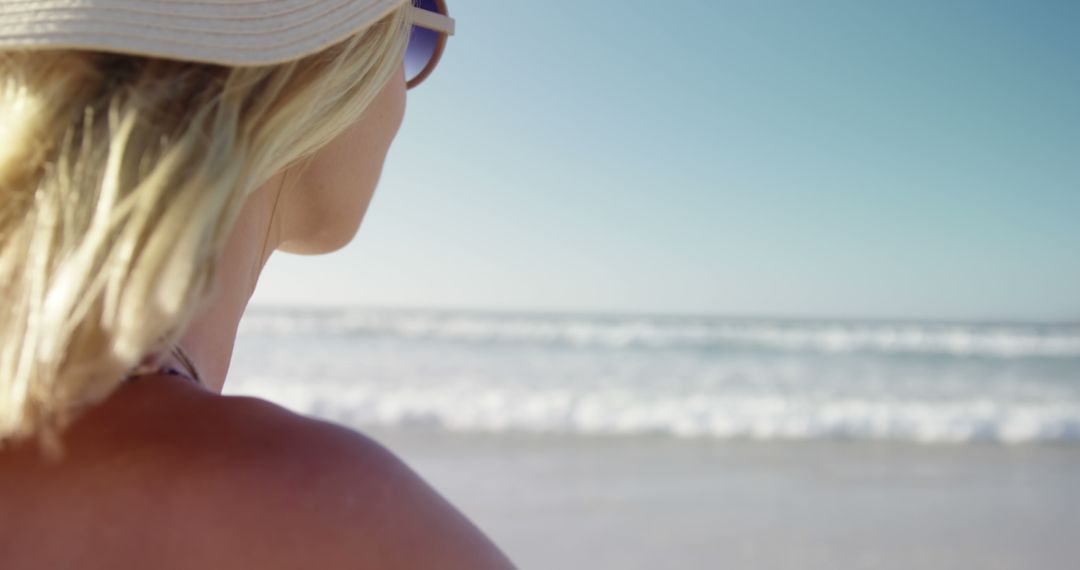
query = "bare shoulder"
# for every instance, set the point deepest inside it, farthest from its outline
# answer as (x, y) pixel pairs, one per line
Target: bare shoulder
(298, 492)
(189, 479)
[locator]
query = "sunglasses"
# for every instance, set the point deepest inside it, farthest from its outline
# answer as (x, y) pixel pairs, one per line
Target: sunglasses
(432, 24)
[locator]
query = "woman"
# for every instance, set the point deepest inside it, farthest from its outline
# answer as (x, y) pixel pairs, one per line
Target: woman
(152, 156)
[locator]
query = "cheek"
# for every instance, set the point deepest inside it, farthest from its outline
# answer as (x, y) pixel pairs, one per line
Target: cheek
(333, 193)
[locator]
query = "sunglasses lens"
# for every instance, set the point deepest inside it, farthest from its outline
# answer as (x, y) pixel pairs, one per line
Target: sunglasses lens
(423, 43)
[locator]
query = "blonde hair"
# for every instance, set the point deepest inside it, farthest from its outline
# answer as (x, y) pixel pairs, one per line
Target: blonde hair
(120, 180)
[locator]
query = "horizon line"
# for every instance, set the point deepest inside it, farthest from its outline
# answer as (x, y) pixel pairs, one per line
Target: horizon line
(660, 314)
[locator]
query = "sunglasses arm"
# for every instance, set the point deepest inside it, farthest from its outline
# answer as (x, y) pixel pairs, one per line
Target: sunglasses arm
(433, 21)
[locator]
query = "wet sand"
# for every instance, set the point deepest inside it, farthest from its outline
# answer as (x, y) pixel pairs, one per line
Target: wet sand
(567, 503)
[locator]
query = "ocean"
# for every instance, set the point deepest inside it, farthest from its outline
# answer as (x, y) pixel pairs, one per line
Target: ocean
(682, 377)
(636, 442)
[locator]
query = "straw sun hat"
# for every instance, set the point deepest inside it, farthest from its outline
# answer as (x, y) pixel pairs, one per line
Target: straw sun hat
(227, 32)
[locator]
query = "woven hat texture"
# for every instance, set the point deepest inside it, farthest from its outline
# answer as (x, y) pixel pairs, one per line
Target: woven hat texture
(227, 32)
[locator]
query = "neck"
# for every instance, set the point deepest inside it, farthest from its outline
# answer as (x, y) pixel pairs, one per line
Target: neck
(209, 338)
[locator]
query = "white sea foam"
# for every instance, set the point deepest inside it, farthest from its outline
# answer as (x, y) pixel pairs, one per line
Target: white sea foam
(615, 412)
(999, 341)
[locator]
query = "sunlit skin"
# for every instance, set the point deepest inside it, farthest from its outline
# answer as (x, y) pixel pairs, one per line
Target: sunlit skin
(317, 209)
(166, 474)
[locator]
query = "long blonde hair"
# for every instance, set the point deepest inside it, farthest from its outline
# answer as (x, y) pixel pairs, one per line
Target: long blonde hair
(120, 180)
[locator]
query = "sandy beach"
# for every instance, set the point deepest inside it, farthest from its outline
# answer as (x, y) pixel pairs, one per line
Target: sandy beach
(555, 502)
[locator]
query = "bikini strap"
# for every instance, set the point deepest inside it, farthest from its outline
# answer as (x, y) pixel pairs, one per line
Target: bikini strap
(191, 375)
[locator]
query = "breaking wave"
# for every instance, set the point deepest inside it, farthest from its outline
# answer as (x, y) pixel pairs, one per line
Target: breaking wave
(994, 341)
(762, 418)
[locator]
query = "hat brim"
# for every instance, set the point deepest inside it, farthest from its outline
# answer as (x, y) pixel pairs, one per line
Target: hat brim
(236, 33)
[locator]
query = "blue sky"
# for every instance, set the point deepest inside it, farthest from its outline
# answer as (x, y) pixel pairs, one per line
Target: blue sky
(850, 158)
